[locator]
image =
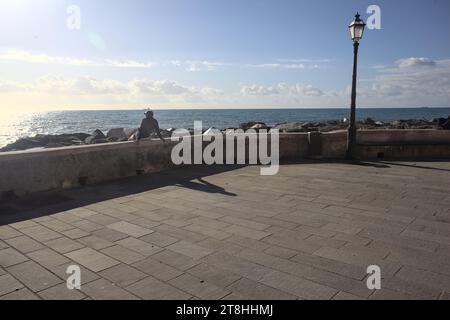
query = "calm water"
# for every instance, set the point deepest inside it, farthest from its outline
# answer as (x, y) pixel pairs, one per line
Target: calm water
(14, 126)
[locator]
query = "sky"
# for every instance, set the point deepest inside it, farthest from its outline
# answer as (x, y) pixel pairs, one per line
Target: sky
(117, 54)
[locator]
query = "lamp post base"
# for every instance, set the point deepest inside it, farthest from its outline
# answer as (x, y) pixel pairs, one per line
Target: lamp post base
(351, 144)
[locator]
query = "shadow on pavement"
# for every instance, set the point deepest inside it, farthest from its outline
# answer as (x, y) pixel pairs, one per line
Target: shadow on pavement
(192, 177)
(47, 203)
(368, 164)
(205, 186)
(402, 164)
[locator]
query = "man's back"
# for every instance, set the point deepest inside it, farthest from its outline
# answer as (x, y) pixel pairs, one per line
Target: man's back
(148, 126)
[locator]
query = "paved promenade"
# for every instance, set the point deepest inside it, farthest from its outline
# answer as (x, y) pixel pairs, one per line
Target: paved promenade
(309, 232)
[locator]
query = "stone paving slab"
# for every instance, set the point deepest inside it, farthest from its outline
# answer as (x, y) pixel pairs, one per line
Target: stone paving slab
(309, 232)
(24, 244)
(123, 275)
(92, 259)
(34, 276)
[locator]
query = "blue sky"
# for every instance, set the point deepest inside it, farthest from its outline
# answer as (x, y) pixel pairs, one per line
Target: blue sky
(212, 54)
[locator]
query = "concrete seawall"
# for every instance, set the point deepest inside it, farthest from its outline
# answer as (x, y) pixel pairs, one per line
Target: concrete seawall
(64, 168)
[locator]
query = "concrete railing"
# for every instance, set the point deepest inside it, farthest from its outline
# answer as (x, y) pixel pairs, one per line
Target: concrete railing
(401, 137)
(63, 168)
(403, 144)
(32, 171)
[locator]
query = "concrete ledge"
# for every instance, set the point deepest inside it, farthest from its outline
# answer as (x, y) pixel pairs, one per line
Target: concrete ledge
(403, 144)
(294, 146)
(396, 137)
(63, 168)
(33, 171)
(334, 145)
(405, 152)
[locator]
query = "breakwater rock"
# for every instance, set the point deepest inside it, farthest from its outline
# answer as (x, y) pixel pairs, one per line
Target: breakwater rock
(126, 134)
(76, 139)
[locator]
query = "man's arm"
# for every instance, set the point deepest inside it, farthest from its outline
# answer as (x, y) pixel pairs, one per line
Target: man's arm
(139, 136)
(158, 131)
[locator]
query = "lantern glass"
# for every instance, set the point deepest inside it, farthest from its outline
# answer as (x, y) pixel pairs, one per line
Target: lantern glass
(357, 29)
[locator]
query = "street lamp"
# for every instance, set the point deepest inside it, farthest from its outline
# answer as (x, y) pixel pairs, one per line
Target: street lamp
(356, 32)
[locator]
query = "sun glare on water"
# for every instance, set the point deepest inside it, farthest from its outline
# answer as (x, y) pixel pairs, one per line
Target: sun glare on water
(14, 124)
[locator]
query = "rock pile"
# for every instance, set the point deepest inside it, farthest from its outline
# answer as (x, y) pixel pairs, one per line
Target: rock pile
(444, 123)
(47, 141)
(125, 134)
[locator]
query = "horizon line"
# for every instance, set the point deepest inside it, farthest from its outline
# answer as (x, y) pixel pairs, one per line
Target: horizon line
(212, 109)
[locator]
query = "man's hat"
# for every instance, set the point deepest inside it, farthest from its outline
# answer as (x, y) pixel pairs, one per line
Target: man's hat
(148, 113)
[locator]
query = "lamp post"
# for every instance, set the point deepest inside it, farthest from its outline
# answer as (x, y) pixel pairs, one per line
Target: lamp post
(356, 32)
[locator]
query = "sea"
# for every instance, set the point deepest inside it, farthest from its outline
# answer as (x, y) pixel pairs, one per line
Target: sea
(16, 125)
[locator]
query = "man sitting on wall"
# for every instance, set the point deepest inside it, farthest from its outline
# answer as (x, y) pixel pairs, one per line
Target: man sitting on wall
(149, 125)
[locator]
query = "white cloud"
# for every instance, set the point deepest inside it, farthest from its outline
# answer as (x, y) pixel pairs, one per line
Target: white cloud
(292, 66)
(210, 91)
(196, 66)
(193, 67)
(279, 66)
(290, 95)
(310, 91)
(12, 86)
(188, 65)
(257, 90)
(416, 62)
(88, 86)
(306, 60)
(169, 88)
(176, 63)
(55, 91)
(297, 90)
(24, 56)
(56, 85)
(129, 64)
(415, 82)
(411, 82)
(160, 87)
(42, 58)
